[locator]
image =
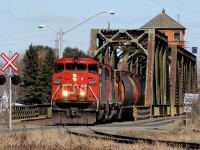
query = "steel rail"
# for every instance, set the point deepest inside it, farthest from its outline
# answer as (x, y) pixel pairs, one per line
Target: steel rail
(188, 145)
(131, 140)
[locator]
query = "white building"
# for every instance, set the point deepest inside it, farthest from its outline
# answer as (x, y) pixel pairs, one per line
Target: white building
(4, 100)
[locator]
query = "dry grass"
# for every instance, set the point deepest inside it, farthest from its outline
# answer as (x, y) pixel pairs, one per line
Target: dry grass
(182, 133)
(194, 116)
(186, 134)
(61, 140)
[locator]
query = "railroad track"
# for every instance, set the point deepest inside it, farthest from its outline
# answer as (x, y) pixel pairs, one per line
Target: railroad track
(88, 132)
(91, 133)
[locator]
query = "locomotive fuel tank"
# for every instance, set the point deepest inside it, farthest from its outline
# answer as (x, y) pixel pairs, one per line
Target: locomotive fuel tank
(132, 90)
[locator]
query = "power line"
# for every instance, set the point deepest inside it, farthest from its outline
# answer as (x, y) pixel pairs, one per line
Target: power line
(4, 34)
(191, 4)
(18, 32)
(22, 38)
(189, 10)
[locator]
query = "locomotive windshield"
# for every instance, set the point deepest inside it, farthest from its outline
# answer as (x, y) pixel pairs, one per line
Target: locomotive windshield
(76, 66)
(81, 66)
(70, 66)
(58, 67)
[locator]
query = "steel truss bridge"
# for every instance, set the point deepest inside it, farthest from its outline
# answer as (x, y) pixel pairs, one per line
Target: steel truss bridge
(169, 70)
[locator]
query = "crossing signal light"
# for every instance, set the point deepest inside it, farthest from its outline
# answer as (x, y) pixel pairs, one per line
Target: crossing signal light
(2, 79)
(15, 79)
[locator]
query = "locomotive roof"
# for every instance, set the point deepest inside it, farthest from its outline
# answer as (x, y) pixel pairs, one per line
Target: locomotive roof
(78, 57)
(82, 57)
(86, 56)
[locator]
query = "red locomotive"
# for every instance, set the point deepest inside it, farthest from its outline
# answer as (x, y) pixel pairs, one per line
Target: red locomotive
(85, 91)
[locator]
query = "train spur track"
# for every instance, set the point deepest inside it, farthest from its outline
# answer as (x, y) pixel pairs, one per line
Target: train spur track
(91, 133)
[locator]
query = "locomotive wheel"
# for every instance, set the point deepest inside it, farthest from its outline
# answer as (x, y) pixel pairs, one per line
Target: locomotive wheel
(113, 115)
(103, 114)
(100, 115)
(119, 113)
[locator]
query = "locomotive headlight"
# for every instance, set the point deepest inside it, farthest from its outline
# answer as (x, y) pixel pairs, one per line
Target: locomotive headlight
(82, 93)
(74, 75)
(65, 93)
(83, 90)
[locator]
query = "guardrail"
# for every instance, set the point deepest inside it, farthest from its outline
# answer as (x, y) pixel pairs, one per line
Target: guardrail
(30, 111)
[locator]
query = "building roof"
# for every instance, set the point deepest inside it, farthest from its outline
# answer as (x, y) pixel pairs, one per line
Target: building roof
(163, 21)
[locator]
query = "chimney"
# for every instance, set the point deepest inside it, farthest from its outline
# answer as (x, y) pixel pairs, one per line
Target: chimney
(163, 11)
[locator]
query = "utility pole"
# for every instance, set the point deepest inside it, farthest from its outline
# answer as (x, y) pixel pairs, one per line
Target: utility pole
(60, 32)
(60, 37)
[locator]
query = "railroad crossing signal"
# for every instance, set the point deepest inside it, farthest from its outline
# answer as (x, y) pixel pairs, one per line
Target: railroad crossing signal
(15, 79)
(2, 79)
(9, 62)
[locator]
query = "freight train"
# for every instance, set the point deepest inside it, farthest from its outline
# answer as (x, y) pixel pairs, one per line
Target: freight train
(85, 91)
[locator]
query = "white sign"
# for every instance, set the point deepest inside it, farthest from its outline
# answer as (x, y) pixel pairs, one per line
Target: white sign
(189, 97)
(187, 108)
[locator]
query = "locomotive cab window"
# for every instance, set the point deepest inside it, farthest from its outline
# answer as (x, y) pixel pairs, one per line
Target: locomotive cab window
(58, 67)
(76, 66)
(70, 66)
(93, 68)
(81, 66)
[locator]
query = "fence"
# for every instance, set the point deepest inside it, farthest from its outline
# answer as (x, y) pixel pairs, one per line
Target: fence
(30, 111)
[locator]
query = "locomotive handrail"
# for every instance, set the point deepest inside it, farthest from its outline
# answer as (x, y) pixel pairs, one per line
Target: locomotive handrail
(95, 97)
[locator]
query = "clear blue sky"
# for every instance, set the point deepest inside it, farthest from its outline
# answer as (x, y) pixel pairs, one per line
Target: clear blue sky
(20, 20)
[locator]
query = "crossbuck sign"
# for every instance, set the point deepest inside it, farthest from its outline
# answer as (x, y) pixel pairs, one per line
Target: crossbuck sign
(9, 62)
